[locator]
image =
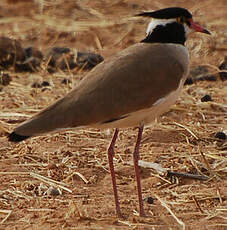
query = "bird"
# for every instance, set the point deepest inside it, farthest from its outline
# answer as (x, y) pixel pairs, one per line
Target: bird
(129, 89)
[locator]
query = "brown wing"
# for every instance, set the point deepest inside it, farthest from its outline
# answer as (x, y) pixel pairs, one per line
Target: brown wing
(132, 80)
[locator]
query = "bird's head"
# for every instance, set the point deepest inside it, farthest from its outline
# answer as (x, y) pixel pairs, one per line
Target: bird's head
(173, 22)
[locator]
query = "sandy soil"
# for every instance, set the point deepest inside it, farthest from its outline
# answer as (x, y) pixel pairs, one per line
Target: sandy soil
(61, 181)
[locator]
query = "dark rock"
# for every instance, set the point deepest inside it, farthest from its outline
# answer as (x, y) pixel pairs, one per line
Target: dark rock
(149, 200)
(40, 84)
(63, 58)
(188, 81)
(220, 135)
(53, 191)
(66, 81)
(45, 83)
(11, 53)
(223, 66)
(33, 60)
(208, 77)
(88, 60)
(5, 79)
(201, 73)
(197, 70)
(60, 58)
(59, 50)
(206, 98)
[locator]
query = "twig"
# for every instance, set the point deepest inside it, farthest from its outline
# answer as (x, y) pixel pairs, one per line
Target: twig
(218, 192)
(171, 212)
(98, 42)
(11, 114)
(205, 161)
(197, 204)
(50, 181)
(187, 129)
(80, 175)
(40, 210)
(187, 175)
(7, 216)
(14, 173)
(19, 194)
(160, 177)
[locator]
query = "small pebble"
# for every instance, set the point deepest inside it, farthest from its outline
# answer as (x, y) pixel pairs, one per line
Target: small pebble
(223, 66)
(220, 135)
(38, 84)
(149, 200)
(206, 98)
(66, 81)
(45, 83)
(11, 52)
(5, 79)
(88, 60)
(53, 191)
(60, 58)
(189, 81)
(32, 61)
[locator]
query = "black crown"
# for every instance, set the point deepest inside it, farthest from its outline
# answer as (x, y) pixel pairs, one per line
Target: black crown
(167, 13)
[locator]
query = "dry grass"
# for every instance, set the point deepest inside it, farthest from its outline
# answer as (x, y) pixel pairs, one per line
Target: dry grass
(61, 180)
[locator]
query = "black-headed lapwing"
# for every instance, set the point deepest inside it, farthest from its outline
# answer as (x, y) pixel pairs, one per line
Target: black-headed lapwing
(129, 89)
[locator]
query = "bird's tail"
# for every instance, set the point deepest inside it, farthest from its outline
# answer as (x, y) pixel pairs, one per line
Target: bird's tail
(14, 137)
(53, 118)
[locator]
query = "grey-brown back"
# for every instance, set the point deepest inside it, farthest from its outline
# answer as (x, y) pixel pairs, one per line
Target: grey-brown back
(132, 80)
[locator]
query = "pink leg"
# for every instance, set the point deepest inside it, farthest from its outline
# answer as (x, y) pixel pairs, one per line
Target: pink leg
(136, 158)
(111, 166)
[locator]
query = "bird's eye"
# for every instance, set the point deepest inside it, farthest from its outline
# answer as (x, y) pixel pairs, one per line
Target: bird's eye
(181, 20)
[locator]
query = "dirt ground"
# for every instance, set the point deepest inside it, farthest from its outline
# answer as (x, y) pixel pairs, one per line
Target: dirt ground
(61, 180)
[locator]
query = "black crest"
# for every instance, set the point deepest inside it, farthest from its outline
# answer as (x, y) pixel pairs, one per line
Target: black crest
(167, 13)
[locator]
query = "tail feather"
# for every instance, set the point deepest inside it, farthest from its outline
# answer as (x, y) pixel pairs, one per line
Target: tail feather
(13, 137)
(54, 117)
